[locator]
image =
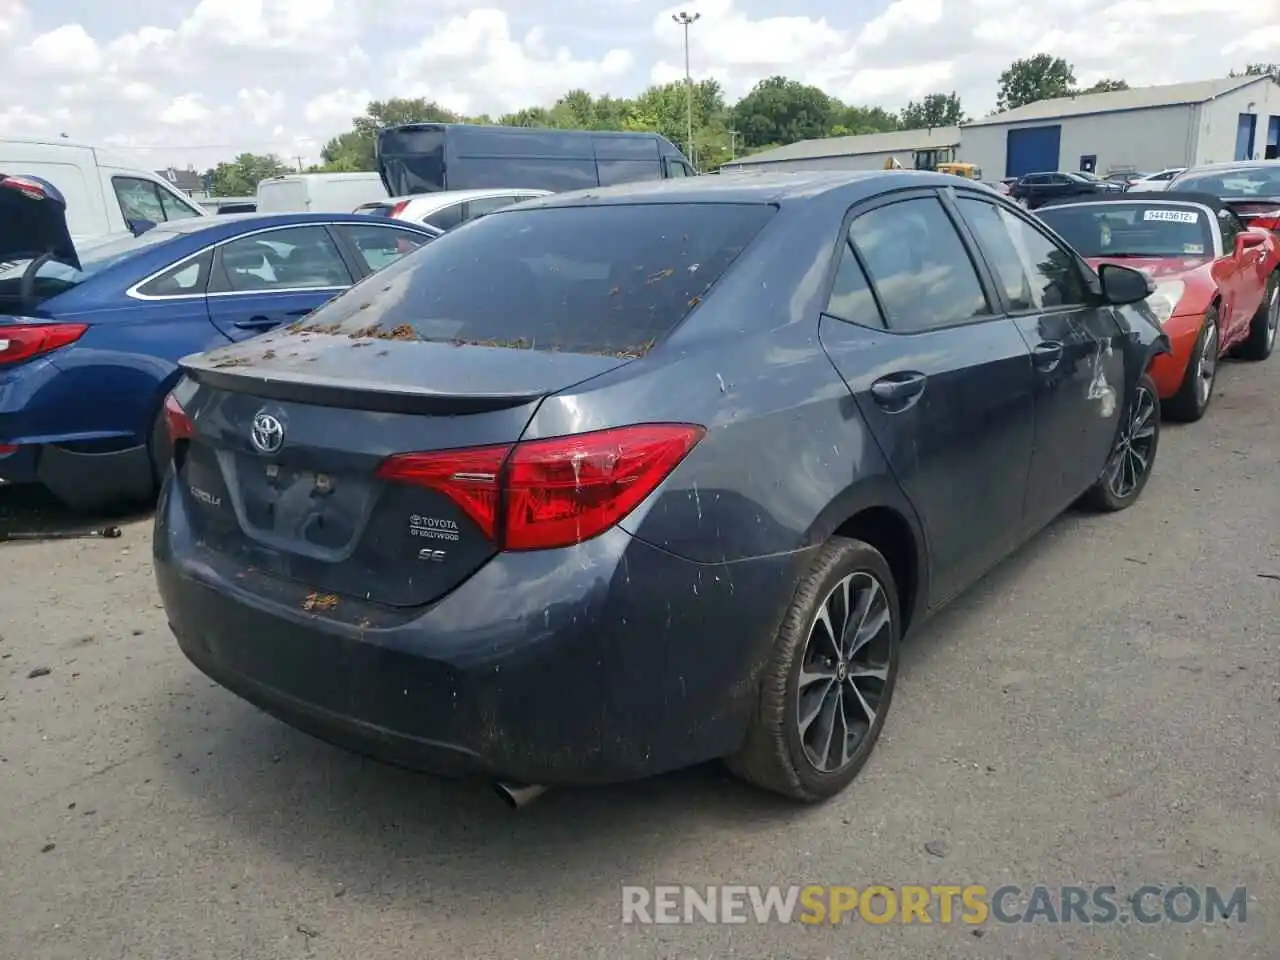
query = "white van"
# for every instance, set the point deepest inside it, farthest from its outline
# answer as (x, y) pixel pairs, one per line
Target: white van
(319, 192)
(104, 190)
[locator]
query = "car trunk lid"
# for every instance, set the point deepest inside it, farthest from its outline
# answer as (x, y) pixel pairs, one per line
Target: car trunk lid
(34, 214)
(283, 466)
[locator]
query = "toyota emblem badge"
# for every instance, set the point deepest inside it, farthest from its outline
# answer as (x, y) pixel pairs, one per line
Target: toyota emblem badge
(267, 434)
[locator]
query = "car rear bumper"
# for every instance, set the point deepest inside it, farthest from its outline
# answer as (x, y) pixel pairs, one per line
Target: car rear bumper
(610, 661)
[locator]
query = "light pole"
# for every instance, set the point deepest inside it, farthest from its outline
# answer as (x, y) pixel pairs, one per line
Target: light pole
(686, 20)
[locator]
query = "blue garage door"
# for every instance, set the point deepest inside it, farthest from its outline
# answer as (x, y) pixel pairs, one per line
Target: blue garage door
(1033, 150)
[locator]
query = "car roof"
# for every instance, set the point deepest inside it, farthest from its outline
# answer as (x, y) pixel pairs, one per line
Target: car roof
(1163, 197)
(1225, 166)
(445, 197)
(747, 187)
(197, 224)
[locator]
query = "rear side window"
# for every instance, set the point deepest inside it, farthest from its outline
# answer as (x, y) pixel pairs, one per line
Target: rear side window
(446, 218)
(919, 266)
(594, 279)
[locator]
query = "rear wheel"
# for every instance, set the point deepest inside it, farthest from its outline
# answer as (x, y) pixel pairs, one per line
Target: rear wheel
(1133, 454)
(1192, 399)
(1262, 329)
(829, 681)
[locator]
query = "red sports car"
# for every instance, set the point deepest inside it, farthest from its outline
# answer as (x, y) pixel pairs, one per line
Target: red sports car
(1217, 281)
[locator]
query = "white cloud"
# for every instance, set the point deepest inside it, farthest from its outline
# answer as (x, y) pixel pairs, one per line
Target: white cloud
(218, 77)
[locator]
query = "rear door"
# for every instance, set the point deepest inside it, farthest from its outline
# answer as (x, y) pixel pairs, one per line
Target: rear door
(271, 277)
(1076, 347)
(941, 377)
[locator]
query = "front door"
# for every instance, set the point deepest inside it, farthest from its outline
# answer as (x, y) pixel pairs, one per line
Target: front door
(1076, 348)
(274, 277)
(942, 380)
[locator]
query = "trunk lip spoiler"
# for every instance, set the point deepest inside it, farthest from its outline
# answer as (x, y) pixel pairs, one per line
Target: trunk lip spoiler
(350, 393)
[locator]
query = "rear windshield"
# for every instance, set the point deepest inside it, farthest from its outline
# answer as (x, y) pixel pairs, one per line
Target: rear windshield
(1240, 184)
(588, 279)
(374, 210)
(1132, 229)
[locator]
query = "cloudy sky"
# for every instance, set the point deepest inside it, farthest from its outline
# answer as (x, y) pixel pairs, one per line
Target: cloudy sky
(193, 81)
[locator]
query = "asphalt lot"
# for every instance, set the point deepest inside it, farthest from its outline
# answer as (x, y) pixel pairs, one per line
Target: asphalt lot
(1103, 709)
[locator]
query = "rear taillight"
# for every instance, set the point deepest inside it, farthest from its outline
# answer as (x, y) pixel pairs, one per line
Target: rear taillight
(8, 448)
(23, 341)
(541, 494)
(398, 209)
(176, 421)
(1266, 215)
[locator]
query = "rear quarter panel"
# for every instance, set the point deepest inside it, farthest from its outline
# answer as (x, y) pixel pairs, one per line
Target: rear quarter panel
(113, 379)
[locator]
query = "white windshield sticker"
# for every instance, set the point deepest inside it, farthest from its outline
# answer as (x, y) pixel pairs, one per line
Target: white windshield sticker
(1193, 248)
(1173, 216)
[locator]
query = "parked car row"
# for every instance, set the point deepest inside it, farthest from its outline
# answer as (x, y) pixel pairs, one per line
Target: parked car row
(467, 515)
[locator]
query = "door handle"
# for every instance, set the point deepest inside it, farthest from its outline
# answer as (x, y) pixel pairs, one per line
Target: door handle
(1047, 354)
(257, 323)
(898, 390)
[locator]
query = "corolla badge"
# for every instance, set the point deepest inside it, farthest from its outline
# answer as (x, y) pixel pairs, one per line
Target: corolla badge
(267, 433)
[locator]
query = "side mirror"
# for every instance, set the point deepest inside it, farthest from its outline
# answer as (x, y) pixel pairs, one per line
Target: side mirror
(1122, 285)
(140, 226)
(1247, 241)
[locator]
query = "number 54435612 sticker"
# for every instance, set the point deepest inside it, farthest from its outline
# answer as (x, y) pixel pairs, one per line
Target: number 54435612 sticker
(1172, 216)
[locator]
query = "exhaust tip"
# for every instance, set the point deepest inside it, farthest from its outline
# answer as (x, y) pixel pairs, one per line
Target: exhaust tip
(517, 795)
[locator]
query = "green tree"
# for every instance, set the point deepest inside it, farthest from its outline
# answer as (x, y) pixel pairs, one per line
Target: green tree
(240, 177)
(1258, 70)
(778, 110)
(846, 121)
(935, 110)
(354, 150)
(1040, 77)
(1106, 85)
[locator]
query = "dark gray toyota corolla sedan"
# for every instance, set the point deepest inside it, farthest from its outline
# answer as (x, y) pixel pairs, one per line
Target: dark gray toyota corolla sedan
(618, 481)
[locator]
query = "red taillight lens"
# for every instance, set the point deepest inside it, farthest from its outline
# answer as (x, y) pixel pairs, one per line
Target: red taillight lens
(542, 494)
(176, 421)
(398, 209)
(1265, 215)
(24, 341)
(467, 477)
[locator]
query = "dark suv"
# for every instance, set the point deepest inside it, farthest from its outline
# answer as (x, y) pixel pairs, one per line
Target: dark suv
(1033, 189)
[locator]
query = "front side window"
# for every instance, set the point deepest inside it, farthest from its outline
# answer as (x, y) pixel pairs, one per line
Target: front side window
(1052, 271)
(293, 258)
(175, 208)
(139, 199)
(918, 266)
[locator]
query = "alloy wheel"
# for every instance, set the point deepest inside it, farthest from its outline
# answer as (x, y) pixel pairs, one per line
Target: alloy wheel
(844, 671)
(1207, 365)
(1131, 457)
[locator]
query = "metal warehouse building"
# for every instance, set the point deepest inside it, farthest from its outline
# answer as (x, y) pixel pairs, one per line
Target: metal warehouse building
(867, 152)
(1150, 128)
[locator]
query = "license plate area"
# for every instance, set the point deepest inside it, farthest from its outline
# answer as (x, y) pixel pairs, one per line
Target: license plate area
(292, 504)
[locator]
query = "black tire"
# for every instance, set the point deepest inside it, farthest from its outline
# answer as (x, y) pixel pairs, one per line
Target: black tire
(1143, 410)
(1262, 328)
(775, 755)
(1191, 401)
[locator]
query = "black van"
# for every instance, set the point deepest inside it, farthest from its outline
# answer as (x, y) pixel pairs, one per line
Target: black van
(427, 157)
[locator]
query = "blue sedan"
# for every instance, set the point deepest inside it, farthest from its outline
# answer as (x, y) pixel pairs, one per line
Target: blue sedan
(90, 339)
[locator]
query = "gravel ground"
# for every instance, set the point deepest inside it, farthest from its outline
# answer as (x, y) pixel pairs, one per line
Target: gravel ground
(1103, 709)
